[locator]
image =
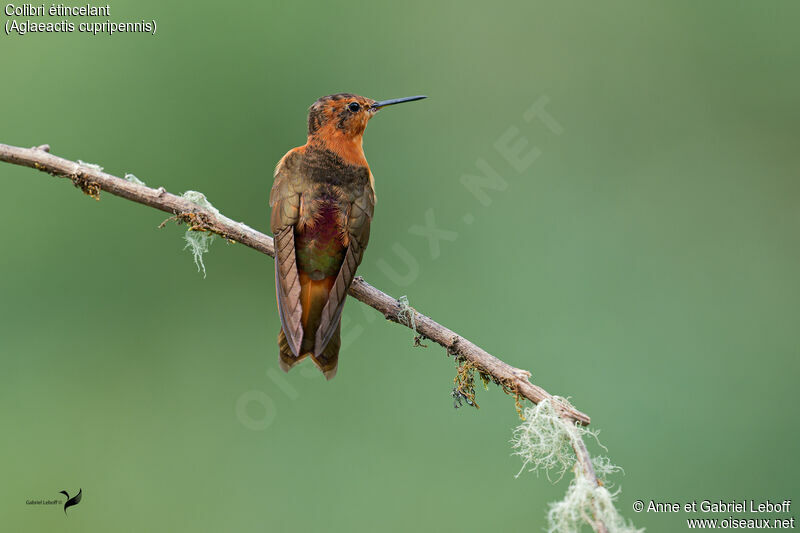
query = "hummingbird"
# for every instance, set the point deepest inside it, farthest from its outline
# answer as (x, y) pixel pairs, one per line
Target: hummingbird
(322, 201)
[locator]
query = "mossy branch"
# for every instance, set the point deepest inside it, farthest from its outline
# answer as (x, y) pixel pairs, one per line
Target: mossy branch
(92, 180)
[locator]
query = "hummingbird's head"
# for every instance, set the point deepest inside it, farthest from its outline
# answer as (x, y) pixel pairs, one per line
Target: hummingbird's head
(342, 114)
(346, 114)
(338, 121)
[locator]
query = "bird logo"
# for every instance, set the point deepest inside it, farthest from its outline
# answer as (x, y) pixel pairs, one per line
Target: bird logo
(75, 500)
(322, 203)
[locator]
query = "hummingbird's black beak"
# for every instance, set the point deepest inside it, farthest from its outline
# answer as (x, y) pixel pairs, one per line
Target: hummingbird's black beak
(384, 103)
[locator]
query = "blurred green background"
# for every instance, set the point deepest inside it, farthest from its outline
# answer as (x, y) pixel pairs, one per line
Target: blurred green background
(645, 264)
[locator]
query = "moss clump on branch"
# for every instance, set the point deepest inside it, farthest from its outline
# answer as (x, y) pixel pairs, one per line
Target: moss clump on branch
(89, 187)
(464, 385)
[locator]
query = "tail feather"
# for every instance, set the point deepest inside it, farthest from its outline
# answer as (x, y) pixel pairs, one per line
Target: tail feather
(327, 361)
(287, 358)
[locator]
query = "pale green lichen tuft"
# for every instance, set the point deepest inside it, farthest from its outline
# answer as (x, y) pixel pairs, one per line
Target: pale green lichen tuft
(198, 242)
(133, 179)
(406, 316)
(201, 200)
(406, 313)
(544, 442)
(90, 165)
(603, 467)
(584, 504)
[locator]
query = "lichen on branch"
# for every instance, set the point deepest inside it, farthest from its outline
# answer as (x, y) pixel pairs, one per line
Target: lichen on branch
(547, 442)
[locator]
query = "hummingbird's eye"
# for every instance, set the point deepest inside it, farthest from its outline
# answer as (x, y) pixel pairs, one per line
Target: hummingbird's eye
(354, 107)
